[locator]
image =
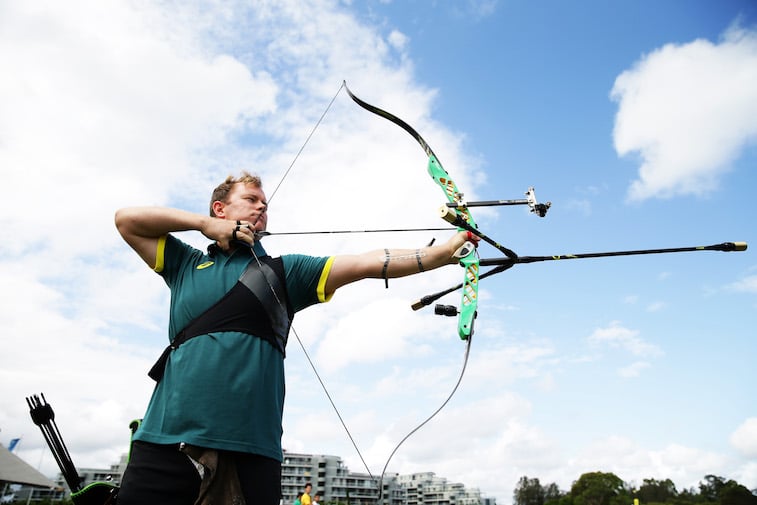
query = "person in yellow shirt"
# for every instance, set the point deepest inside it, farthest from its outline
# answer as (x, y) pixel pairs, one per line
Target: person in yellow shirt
(305, 499)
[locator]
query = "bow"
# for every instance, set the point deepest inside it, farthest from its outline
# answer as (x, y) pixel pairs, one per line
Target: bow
(457, 213)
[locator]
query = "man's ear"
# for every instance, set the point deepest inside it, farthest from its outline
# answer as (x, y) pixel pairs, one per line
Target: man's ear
(219, 208)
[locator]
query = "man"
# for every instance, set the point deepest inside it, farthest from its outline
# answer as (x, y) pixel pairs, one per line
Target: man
(218, 404)
(305, 500)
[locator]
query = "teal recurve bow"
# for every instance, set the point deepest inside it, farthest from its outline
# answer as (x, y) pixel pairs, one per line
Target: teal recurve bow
(457, 213)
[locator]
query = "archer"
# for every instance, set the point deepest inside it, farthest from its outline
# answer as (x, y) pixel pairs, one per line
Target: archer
(219, 397)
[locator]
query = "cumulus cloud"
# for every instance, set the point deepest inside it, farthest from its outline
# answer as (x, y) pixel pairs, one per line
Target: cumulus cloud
(687, 110)
(629, 460)
(746, 285)
(634, 369)
(744, 439)
(115, 104)
(120, 103)
(627, 339)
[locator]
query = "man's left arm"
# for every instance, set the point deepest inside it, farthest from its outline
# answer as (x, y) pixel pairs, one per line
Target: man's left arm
(391, 263)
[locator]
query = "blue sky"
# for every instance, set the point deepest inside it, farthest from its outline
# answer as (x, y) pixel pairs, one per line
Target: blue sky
(635, 119)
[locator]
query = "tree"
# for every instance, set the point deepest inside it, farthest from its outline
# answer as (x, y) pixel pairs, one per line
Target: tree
(725, 492)
(552, 493)
(528, 492)
(598, 488)
(709, 490)
(656, 491)
(734, 493)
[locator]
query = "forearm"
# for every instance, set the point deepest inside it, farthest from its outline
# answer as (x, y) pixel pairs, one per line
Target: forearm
(391, 263)
(154, 222)
(142, 227)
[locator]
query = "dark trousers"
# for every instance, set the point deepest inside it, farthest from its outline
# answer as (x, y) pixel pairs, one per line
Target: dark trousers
(163, 475)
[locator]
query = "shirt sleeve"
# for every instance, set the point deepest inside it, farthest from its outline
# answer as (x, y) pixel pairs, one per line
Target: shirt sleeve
(306, 279)
(171, 257)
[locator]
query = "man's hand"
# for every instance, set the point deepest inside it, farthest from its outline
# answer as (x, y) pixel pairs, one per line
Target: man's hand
(226, 232)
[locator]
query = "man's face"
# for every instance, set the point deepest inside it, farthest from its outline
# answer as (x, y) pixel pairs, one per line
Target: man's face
(247, 202)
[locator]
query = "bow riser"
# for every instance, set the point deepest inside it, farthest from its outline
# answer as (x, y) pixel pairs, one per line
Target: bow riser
(467, 312)
(469, 300)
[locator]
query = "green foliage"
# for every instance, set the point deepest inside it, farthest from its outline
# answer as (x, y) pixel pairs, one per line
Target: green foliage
(531, 492)
(528, 492)
(716, 489)
(656, 491)
(599, 488)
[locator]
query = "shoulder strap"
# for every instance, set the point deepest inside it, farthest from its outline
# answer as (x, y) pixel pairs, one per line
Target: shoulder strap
(268, 288)
(256, 305)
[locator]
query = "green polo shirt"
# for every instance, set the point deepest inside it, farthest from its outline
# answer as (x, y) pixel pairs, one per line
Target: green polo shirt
(223, 390)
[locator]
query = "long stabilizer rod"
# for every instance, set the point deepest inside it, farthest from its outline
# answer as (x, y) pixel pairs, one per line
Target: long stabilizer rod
(725, 246)
(502, 264)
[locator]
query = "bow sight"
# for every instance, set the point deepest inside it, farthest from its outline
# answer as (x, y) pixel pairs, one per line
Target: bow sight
(540, 209)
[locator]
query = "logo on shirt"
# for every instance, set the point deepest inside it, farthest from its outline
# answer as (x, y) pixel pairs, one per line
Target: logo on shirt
(204, 265)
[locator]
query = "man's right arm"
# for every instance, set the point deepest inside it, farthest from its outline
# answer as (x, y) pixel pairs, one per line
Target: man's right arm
(142, 227)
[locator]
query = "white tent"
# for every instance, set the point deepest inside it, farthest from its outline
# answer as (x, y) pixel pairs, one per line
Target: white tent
(14, 470)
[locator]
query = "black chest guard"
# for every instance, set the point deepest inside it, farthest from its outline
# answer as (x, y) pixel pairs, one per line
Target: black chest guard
(256, 305)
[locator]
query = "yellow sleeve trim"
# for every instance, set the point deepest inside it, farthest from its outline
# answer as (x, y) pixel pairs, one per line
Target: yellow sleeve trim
(322, 281)
(160, 254)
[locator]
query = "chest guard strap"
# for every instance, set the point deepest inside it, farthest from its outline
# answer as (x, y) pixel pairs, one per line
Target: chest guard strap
(256, 305)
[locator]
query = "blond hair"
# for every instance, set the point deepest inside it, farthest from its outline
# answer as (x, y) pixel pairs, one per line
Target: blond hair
(221, 193)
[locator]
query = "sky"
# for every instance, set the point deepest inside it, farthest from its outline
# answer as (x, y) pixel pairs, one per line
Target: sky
(636, 120)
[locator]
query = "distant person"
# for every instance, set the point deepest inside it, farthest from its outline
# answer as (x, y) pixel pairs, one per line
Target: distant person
(306, 500)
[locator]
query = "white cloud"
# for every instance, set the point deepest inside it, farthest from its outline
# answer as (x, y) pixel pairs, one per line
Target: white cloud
(398, 40)
(119, 103)
(107, 104)
(744, 439)
(114, 104)
(746, 285)
(688, 110)
(616, 335)
(634, 369)
(624, 457)
(656, 306)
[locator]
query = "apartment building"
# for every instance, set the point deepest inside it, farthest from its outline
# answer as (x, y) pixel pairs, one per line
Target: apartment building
(337, 484)
(333, 480)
